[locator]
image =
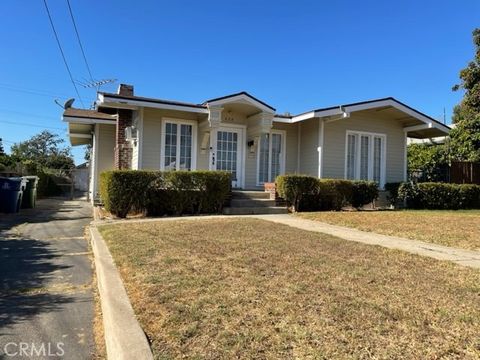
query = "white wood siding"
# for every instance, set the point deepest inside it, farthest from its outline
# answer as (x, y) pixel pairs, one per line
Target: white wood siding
(309, 130)
(335, 137)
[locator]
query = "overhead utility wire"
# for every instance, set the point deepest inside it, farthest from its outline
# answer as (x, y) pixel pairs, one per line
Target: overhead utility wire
(61, 51)
(79, 41)
(30, 124)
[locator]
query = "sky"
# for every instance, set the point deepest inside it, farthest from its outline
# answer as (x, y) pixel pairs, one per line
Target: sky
(294, 55)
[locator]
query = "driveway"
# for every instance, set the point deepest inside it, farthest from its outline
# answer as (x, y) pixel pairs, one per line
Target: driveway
(46, 301)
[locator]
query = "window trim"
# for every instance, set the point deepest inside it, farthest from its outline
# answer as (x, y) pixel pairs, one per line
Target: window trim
(194, 125)
(383, 162)
(283, 133)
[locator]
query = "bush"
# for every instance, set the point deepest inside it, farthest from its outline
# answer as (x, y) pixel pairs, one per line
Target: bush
(392, 189)
(363, 193)
(440, 196)
(188, 192)
(164, 193)
(47, 184)
(299, 191)
(334, 194)
(308, 193)
(123, 191)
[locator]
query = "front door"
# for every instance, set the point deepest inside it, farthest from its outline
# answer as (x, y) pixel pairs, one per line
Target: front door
(229, 153)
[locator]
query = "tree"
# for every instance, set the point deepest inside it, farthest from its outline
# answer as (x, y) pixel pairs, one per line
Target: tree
(465, 136)
(431, 160)
(2, 150)
(46, 150)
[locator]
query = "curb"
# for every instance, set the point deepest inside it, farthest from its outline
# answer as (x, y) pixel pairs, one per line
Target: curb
(124, 337)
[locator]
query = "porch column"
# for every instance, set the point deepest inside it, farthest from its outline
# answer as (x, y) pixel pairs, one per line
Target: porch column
(214, 121)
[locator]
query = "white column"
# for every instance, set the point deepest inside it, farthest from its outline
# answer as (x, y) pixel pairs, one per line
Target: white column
(321, 129)
(214, 121)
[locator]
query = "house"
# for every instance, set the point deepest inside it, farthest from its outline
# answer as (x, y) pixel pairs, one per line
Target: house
(244, 135)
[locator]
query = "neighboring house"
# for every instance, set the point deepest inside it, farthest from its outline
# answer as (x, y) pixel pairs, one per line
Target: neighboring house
(243, 135)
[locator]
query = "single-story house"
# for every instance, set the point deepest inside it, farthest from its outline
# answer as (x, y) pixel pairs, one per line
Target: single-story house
(244, 135)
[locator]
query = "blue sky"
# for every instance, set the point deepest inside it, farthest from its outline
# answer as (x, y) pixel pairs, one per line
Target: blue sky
(295, 55)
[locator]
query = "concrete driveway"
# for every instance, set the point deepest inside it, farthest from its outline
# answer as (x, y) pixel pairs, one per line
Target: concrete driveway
(46, 301)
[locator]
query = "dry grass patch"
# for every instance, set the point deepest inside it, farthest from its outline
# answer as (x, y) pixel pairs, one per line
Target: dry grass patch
(246, 288)
(450, 228)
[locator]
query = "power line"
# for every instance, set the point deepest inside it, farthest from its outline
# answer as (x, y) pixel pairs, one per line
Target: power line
(61, 51)
(32, 91)
(30, 124)
(79, 41)
(24, 114)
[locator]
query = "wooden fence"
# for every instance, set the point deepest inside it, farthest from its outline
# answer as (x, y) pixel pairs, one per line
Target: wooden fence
(462, 172)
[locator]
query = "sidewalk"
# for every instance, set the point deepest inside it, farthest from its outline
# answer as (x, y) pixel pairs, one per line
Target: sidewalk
(461, 257)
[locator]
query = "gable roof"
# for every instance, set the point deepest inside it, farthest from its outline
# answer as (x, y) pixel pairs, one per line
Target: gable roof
(244, 93)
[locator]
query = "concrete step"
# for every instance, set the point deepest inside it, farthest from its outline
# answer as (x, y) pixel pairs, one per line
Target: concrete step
(254, 210)
(241, 194)
(241, 202)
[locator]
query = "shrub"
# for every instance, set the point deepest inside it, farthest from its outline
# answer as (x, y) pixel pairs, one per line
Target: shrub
(363, 193)
(164, 193)
(188, 192)
(334, 194)
(299, 191)
(47, 184)
(440, 196)
(308, 193)
(392, 189)
(123, 191)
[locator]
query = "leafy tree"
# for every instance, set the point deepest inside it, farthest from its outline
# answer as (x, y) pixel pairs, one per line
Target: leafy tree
(465, 137)
(45, 150)
(2, 150)
(431, 160)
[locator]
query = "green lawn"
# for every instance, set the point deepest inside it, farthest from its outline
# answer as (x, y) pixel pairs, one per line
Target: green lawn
(451, 228)
(251, 289)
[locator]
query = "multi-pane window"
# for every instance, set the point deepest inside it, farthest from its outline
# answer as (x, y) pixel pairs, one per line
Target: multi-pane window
(351, 156)
(227, 151)
(365, 157)
(270, 157)
(263, 158)
(178, 146)
(377, 159)
(170, 153)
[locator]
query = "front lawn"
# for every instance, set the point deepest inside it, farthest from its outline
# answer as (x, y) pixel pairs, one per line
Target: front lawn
(251, 289)
(450, 228)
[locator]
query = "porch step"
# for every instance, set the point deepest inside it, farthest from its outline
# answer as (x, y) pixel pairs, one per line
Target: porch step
(249, 202)
(255, 210)
(251, 194)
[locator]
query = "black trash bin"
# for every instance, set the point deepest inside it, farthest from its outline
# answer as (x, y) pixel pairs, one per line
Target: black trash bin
(11, 191)
(29, 197)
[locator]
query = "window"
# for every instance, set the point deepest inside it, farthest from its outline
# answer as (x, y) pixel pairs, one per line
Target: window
(365, 157)
(270, 156)
(178, 145)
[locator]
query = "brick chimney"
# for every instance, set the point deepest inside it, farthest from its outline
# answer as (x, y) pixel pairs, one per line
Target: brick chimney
(124, 89)
(123, 148)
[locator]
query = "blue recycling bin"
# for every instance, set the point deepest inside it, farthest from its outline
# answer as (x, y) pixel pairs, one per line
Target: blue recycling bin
(11, 191)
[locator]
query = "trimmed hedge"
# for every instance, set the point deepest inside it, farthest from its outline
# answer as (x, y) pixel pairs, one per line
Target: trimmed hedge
(124, 191)
(164, 193)
(440, 196)
(308, 193)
